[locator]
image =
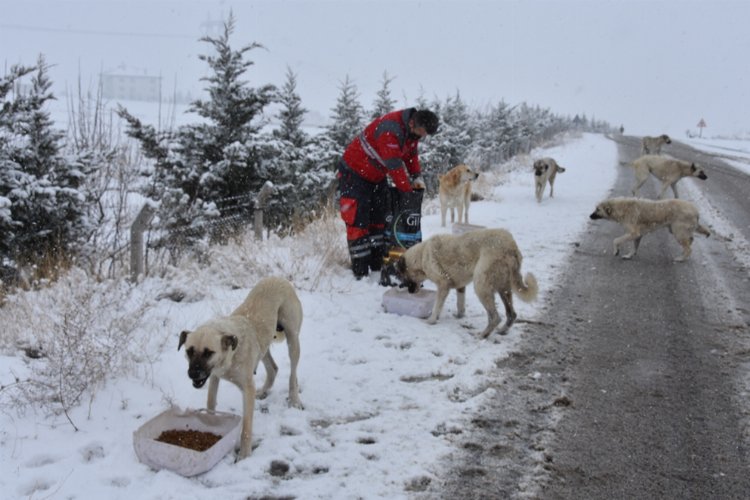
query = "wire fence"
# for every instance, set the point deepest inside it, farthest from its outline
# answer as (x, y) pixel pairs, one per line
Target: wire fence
(235, 212)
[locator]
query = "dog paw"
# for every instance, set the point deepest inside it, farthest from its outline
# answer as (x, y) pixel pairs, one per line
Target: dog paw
(244, 451)
(296, 404)
(431, 321)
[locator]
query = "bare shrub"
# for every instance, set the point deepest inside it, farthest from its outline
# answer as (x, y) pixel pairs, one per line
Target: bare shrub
(114, 164)
(77, 335)
(306, 258)
(114, 204)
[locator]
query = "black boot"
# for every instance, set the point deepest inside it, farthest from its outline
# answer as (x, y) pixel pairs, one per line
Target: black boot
(359, 252)
(377, 251)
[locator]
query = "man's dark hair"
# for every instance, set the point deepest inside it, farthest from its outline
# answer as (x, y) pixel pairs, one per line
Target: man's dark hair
(427, 119)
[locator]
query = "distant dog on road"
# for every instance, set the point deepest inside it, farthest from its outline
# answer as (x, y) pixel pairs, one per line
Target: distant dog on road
(667, 170)
(455, 192)
(488, 257)
(231, 347)
(641, 216)
(652, 145)
(545, 170)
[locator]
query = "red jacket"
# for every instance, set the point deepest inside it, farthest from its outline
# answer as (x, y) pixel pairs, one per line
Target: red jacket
(389, 138)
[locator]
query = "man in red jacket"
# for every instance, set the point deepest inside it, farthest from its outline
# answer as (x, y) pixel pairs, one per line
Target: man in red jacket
(386, 148)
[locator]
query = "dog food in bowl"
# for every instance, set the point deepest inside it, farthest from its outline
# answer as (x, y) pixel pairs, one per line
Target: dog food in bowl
(195, 440)
(191, 453)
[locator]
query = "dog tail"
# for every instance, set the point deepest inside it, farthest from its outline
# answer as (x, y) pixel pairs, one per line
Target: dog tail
(703, 230)
(526, 291)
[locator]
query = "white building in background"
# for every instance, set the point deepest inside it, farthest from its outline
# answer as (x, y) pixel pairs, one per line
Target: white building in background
(131, 85)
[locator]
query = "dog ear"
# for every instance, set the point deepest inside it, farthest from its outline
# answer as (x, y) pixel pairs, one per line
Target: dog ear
(228, 341)
(183, 338)
(693, 168)
(608, 209)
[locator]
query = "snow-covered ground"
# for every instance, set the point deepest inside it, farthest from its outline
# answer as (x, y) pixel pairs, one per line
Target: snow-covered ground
(384, 395)
(736, 152)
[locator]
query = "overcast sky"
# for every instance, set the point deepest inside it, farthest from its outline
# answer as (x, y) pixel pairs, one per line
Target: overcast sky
(652, 66)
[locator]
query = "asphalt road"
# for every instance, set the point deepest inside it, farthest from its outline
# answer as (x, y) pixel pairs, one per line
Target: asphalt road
(636, 383)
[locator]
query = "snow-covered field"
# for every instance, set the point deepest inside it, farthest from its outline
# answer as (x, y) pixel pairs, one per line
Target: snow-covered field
(736, 152)
(384, 395)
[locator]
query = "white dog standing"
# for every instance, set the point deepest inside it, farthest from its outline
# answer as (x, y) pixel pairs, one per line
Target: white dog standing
(488, 257)
(455, 192)
(545, 170)
(667, 170)
(641, 217)
(231, 347)
(652, 145)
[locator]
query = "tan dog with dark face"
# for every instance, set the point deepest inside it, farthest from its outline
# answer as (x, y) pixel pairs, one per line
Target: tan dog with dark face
(231, 347)
(455, 192)
(667, 170)
(641, 216)
(545, 171)
(488, 257)
(652, 145)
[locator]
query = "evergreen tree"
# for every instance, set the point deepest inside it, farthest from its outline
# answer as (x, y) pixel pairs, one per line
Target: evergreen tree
(430, 148)
(451, 145)
(301, 178)
(13, 179)
(383, 102)
(347, 117)
(495, 135)
(421, 101)
(299, 165)
(208, 173)
(528, 124)
(232, 111)
(38, 183)
(292, 114)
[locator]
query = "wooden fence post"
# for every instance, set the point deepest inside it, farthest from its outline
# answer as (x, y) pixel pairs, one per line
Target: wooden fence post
(260, 206)
(136, 241)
